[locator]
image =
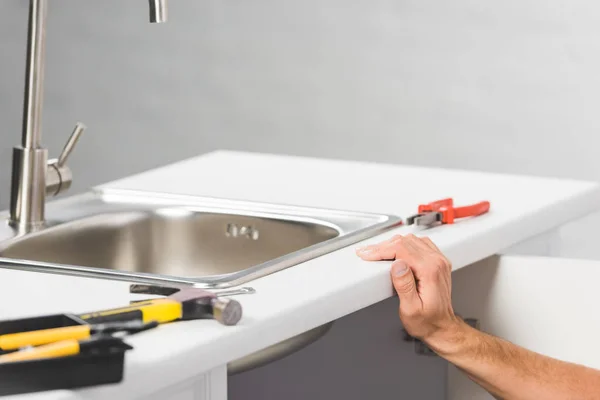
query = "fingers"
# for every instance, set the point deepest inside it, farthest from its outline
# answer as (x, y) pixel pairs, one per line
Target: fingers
(405, 285)
(377, 252)
(393, 248)
(415, 251)
(433, 247)
(430, 244)
(370, 253)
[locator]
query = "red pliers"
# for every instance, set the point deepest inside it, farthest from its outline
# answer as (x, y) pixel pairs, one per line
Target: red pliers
(444, 211)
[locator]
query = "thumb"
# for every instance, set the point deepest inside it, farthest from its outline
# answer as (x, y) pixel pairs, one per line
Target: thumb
(404, 282)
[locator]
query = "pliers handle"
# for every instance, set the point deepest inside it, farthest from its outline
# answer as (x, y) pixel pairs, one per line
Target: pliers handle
(444, 211)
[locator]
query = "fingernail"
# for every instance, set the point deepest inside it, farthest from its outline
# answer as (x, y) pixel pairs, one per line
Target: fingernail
(399, 268)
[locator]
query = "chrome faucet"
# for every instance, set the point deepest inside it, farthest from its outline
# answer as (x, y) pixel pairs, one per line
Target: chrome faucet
(34, 176)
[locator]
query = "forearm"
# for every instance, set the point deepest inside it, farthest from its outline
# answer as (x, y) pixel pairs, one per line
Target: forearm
(480, 383)
(512, 372)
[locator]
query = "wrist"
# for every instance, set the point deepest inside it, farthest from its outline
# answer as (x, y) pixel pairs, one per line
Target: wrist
(452, 339)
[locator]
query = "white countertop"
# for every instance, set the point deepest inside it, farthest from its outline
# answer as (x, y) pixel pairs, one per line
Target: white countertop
(313, 293)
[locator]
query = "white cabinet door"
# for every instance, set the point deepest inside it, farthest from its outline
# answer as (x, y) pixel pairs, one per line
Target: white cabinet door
(548, 305)
(208, 386)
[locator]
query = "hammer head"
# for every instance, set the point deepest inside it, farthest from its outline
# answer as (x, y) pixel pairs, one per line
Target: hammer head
(197, 303)
(192, 294)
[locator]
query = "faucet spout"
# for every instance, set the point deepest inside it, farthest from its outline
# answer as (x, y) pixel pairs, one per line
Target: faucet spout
(158, 11)
(34, 75)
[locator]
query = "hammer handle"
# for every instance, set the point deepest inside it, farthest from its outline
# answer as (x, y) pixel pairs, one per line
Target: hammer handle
(159, 310)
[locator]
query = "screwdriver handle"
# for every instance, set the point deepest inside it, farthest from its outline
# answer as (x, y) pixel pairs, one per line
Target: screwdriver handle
(58, 349)
(15, 341)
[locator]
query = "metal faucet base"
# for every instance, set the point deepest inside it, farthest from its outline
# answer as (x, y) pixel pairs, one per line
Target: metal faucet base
(27, 201)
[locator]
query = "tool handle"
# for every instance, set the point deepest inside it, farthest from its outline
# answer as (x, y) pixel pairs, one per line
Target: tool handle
(58, 349)
(159, 310)
(472, 210)
(14, 341)
(436, 205)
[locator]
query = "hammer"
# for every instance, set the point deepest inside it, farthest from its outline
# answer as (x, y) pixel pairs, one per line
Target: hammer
(199, 303)
(180, 304)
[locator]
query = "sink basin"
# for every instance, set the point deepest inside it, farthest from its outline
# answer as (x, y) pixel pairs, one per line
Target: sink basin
(171, 239)
(178, 240)
(174, 242)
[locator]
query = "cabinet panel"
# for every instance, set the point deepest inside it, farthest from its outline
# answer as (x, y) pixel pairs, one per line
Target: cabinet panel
(209, 386)
(363, 357)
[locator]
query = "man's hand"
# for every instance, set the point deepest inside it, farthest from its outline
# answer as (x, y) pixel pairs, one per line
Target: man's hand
(421, 277)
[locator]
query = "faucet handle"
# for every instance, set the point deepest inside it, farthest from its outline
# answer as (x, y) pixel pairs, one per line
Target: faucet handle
(70, 145)
(58, 174)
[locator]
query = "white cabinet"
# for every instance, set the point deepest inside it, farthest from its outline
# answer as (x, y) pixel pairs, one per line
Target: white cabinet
(208, 386)
(548, 305)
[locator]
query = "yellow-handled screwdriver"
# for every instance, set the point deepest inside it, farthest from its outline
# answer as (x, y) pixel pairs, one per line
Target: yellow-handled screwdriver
(64, 348)
(14, 341)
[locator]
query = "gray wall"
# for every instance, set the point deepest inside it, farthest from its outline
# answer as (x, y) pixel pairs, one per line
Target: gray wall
(509, 86)
(505, 86)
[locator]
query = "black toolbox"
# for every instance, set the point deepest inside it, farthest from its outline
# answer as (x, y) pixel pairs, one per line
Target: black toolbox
(98, 366)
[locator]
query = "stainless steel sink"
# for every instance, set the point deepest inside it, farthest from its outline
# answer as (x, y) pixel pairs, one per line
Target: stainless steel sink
(173, 239)
(186, 240)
